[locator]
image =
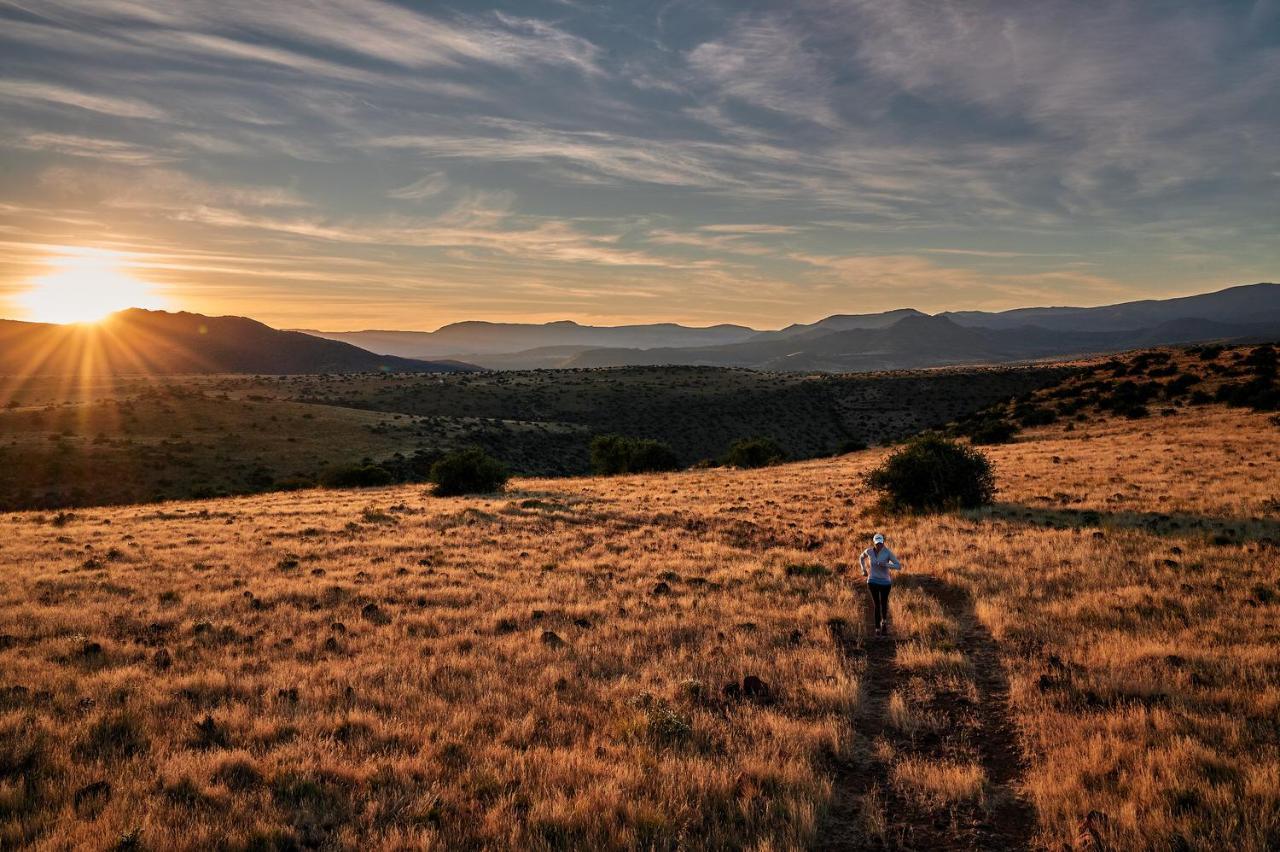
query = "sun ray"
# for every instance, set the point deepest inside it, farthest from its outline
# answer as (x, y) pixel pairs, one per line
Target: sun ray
(85, 285)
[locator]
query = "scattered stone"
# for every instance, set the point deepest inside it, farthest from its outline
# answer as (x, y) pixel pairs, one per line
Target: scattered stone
(288, 695)
(537, 615)
(162, 659)
(91, 649)
(331, 645)
(552, 640)
(796, 637)
(661, 589)
(338, 627)
(583, 623)
(7, 641)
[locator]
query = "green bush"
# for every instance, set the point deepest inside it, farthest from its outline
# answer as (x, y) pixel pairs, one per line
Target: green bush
(993, 432)
(471, 471)
(851, 445)
(931, 473)
(615, 454)
(356, 476)
(754, 452)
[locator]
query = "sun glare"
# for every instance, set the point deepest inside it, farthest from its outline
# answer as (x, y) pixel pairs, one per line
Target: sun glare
(85, 285)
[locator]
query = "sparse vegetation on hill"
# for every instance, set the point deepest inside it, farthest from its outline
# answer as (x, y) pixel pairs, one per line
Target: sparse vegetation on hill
(108, 441)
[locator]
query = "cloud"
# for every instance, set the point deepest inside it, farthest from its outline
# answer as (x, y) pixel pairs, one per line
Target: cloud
(427, 186)
(765, 63)
(50, 93)
(741, 161)
(88, 147)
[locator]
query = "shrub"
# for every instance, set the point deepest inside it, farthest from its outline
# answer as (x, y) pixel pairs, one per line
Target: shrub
(931, 473)
(1033, 415)
(851, 445)
(356, 476)
(471, 471)
(993, 432)
(754, 452)
(615, 454)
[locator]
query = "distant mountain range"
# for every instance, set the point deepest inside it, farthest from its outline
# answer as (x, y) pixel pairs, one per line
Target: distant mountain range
(160, 343)
(492, 338)
(898, 339)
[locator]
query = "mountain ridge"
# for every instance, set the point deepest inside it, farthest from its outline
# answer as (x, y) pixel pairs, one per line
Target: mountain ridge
(566, 343)
(143, 342)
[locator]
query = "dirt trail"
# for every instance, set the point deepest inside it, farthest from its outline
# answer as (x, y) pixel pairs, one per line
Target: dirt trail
(868, 812)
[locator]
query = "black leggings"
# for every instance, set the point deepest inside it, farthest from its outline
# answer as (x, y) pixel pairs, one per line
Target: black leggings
(880, 597)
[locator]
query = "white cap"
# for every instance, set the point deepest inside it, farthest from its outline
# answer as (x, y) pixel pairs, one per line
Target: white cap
(878, 539)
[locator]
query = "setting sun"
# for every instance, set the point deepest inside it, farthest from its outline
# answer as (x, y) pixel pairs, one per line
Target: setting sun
(85, 285)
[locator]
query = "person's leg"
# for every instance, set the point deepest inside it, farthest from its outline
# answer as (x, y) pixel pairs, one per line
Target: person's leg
(877, 599)
(884, 608)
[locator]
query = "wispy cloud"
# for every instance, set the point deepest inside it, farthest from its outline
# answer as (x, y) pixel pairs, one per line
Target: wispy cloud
(714, 160)
(32, 91)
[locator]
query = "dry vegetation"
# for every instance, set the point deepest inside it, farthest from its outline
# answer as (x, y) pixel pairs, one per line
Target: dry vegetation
(665, 661)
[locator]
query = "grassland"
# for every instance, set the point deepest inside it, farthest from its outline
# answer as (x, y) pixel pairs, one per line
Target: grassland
(668, 661)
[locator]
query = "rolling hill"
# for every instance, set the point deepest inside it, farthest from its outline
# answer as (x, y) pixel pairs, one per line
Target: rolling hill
(139, 342)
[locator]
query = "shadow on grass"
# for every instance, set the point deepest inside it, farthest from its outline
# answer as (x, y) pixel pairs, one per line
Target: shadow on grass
(1222, 531)
(867, 812)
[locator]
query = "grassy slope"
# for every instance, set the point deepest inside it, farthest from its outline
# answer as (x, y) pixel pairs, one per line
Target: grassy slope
(1137, 661)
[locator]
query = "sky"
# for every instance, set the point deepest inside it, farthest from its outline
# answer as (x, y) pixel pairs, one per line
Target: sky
(347, 164)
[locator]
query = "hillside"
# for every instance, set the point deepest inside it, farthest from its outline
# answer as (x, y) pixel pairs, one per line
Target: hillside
(135, 440)
(1243, 305)
(672, 661)
(157, 343)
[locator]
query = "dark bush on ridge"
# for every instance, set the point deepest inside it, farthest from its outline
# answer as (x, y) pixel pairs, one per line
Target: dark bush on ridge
(851, 445)
(616, 454)
(356, 476)
(931, 474)
(754, 452)
(993, 432)
(471, 471)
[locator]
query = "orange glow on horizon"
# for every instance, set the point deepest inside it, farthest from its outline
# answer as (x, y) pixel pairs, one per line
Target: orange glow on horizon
(85, 286)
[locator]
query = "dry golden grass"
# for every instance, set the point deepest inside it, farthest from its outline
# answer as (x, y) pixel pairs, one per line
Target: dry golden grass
(389, 669)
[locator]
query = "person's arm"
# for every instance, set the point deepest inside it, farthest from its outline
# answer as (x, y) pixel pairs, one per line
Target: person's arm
(893, 562)
(861, 563)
